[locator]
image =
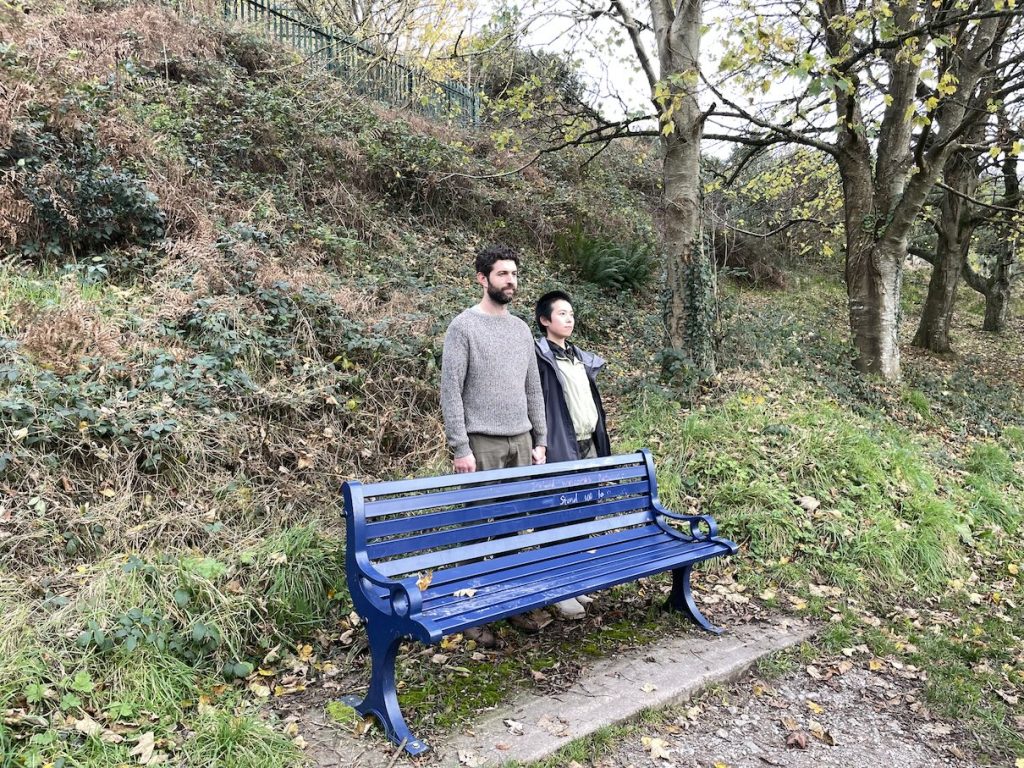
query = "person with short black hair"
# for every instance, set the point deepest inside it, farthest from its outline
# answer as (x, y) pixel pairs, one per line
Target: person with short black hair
(573, 411)
(572, 405)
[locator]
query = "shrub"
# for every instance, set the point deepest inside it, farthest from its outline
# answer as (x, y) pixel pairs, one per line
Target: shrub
(606, 263)
(80, 204)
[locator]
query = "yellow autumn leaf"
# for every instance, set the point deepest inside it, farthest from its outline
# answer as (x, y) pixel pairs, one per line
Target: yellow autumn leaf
(424, 580)
(874, 665)
(1013, 569)
(815, 707)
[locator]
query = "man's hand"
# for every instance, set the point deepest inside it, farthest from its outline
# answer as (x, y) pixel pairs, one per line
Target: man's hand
(465, 464)
(539, 454)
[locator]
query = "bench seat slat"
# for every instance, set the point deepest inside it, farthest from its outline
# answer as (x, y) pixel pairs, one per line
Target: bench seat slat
(553, 522)
(599, 561)
(482, 549)
(429, 521)
(473, 493)
(545, 596)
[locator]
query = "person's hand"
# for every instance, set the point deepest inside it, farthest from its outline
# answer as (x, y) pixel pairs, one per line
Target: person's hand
(539, 454)
(465, 464)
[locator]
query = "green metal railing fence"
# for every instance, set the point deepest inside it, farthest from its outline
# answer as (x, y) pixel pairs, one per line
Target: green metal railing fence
(369, 72)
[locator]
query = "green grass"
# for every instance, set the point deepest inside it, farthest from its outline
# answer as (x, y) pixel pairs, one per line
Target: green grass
(224, 738)
(880, 524)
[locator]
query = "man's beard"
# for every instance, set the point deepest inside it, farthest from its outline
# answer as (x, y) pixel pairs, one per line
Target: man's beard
(498, 296)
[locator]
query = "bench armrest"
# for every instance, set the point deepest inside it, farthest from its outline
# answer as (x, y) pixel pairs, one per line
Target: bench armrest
(695, 522)
(405, 596)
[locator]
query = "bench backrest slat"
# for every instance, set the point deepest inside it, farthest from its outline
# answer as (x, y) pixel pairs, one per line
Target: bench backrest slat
(474, 491)
(427, 484)
(492, 528)
(432, 521)
(507, 544)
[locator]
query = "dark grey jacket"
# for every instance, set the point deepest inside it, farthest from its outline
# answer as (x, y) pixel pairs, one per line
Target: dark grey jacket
(561, 433)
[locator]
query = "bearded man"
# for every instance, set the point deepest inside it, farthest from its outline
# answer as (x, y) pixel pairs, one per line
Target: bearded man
(491, 396)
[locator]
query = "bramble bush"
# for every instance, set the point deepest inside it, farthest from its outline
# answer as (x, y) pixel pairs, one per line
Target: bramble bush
(82, 204)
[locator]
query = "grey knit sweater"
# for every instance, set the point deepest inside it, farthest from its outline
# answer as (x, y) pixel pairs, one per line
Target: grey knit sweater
(489, 380)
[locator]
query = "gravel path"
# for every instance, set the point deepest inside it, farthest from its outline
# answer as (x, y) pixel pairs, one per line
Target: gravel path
(858, 719)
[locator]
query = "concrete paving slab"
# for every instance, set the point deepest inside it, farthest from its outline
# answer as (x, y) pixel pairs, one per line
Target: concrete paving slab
(615, 690)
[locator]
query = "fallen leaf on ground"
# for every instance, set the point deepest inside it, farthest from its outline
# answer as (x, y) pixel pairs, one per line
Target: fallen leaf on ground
(258, 689)
(815, 707)
(88, 726)
(144, 749)
(362, 727)
(648, 687)
(658, 748)
(808, 503)
(514, 727)
(553, 726)
(470, 759)
(424, 580)
(797, 740)
(819, 732)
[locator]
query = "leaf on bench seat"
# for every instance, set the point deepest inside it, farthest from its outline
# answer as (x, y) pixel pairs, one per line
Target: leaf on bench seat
(464, 592)
(424, 580)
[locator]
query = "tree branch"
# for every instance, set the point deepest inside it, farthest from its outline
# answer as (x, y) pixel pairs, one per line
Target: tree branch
(791, 135)
(638, 45)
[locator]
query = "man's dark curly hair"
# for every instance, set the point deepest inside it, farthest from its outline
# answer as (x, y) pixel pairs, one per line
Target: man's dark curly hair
(489, 254)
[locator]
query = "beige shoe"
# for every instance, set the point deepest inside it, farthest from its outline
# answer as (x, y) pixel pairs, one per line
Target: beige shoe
(571, 609)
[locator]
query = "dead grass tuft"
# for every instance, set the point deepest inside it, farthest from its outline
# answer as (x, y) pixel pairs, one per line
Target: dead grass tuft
(63, 338)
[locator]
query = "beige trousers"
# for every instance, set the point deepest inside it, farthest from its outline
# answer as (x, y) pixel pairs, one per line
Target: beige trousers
(493, 452)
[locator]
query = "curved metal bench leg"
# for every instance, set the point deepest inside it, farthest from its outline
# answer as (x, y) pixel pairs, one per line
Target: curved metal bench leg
(681, 599)
(382, 697)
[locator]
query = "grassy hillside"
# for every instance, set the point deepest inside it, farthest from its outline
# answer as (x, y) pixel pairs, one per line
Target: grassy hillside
(224, 288)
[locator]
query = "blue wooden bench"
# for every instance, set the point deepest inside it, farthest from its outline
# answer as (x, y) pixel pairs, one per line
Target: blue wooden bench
(434, 556)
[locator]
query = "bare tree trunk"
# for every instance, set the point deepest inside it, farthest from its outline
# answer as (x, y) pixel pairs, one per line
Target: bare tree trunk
(996, 287)
(690, 287)
(873, 276)
(955, 230)
(997, 300)
(937, 314)
(997, 297)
